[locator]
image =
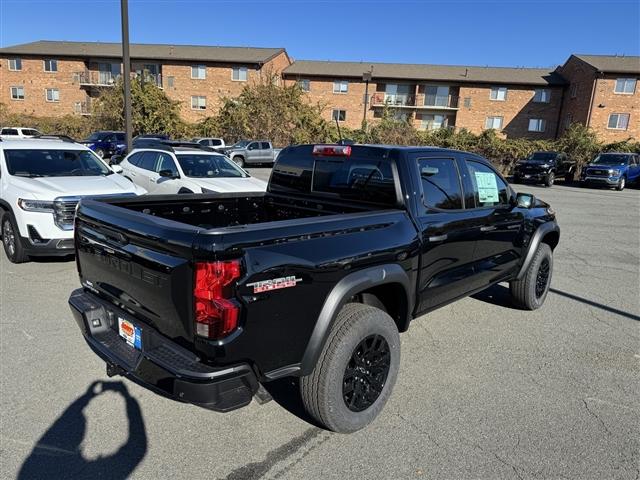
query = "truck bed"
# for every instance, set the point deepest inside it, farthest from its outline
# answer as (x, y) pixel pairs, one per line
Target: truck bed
(232, 210)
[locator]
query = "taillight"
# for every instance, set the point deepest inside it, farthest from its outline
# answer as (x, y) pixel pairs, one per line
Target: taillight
(332, 150)
(217, 314)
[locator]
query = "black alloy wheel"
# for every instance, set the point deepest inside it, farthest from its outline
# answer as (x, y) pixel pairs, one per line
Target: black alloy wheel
(366, 373)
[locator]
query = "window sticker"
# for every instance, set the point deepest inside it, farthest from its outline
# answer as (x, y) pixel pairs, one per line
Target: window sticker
(487, 187)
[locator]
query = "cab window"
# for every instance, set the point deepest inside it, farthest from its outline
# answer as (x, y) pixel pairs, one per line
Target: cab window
(487, 186)
(265, 146)
(440, 183)
(253, 146)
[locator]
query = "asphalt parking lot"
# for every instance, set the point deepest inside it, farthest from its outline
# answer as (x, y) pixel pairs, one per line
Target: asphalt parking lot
(485, 390)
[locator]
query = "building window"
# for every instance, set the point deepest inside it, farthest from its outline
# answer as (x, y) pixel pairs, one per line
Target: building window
(340, 115)
(542, 95)
(434, 122)
(568, 121)
(304, 84)
(618, 121)
(17, 93)
(15, 64)
(494, 123)
(574, 90)
(199, 72)
(340, 86)
(537, 124)
(52, 95)
(467, 102)
(171, 82)
(198, 102)
(50, 65)
(239, 74)
(625, 86)
(498, 93)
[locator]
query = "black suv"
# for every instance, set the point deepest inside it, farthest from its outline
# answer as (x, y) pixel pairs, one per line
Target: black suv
(544, 167)
(206, 296)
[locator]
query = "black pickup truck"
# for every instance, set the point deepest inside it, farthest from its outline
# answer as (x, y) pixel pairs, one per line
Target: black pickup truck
(203, 298)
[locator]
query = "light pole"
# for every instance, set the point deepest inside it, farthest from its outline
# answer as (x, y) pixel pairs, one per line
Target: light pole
(366, 77)
(126, 64)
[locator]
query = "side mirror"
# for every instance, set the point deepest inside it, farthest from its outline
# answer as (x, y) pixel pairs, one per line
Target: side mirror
(117, 168)
(115, 159)
(168, 174)
(524, 200)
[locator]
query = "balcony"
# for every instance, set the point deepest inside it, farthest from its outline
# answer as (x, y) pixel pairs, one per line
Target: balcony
(93, 78)
(421, 101)
(155, 78)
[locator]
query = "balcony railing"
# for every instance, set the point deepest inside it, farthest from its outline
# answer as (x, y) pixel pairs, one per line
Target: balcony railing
(82, 108)
(155, 78)
(381, 99)
(95, 78)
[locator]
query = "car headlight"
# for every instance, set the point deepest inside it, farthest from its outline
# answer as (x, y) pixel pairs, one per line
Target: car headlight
(206, 190)
(35, 205)
(613, 172)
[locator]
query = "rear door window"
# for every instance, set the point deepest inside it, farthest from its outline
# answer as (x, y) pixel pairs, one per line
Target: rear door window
(165, 162)
(9, 131)
(441, 185)
(265, 146)
(148, 161)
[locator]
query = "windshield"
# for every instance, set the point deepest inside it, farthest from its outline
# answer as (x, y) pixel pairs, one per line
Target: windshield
(241, 144)
(541, 157)
(209, 166)
(611, 159)
(54, 163)
(94, 137)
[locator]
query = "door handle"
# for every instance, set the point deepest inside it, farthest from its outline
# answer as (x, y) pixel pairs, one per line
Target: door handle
(487, 228)
(438, 238)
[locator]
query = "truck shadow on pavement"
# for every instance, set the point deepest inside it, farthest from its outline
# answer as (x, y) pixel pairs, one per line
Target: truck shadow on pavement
(286, 393)
(499, 295)
(58, 453)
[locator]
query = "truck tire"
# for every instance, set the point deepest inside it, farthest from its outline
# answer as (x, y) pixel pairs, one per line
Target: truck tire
(548, 181)
(344, 393)
(569, 177)
(531, 291)
(239, 159)
(11, 239)
(621, 184)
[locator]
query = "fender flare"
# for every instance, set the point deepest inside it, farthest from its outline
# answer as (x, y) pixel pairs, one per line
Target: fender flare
(4, 205)
(542, 231)
(345, 289)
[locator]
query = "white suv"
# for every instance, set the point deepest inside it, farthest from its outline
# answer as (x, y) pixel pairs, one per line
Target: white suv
(15, 133)
(167, 169)
(41, 182)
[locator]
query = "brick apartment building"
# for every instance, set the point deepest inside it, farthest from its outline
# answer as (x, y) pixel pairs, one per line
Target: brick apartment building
(50, 78)
(602, 93)
(520, 102)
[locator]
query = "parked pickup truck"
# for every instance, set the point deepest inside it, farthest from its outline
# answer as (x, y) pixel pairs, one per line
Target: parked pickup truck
(248, 152)
(544, 167)
(205, 297)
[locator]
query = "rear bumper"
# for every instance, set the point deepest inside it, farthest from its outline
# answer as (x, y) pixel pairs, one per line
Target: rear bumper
(160, 365)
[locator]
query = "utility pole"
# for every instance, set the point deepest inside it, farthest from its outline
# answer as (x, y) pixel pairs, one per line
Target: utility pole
(126, 67)
(366, 77)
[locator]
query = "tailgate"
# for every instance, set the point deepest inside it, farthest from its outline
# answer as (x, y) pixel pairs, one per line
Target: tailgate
(139, 262)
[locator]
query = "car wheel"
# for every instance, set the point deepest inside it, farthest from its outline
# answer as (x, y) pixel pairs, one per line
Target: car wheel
(100, 152)
(239, 160)
(621, 184)
(531, 291)
(356, 371)
(11, 240)
(550, 179)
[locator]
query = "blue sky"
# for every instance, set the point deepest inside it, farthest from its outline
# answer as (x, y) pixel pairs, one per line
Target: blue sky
(466, 32)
